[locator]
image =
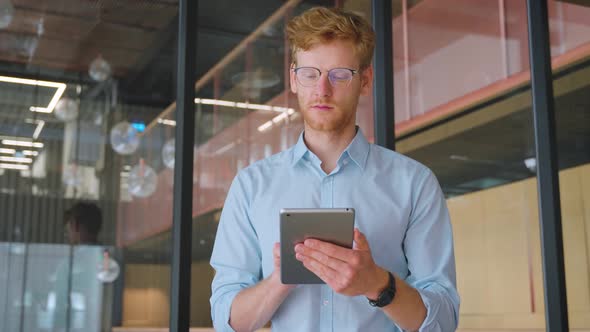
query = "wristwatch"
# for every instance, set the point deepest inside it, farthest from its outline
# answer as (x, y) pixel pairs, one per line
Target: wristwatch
(386, 295)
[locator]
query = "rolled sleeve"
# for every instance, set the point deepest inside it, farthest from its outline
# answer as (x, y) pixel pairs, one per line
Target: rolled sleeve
(441, 315)
(236, 256)
(430, 254)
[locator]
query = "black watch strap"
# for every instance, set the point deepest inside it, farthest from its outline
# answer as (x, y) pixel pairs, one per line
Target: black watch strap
(386, 296)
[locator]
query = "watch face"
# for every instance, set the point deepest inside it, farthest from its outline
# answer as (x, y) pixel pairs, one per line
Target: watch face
(386, 295)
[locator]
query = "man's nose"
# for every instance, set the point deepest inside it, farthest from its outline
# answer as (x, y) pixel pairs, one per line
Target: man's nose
(323, 86)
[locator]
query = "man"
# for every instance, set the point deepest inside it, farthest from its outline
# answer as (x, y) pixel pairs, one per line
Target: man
(400, 273)
(82, 223)
(76, 275)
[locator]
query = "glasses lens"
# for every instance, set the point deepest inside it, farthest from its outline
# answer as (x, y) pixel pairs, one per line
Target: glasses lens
(340, 76)
(307, 76)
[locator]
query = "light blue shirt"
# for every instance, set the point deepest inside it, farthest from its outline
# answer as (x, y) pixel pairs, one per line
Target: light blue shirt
(399, 207)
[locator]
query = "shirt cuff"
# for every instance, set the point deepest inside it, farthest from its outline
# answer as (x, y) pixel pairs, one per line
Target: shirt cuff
(432, 304)
(221, 319)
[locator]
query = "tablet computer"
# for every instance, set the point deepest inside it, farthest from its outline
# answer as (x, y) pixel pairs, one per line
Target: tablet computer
(296, 225)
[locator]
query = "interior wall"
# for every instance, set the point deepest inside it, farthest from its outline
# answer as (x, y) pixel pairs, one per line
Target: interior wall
(146, 297)
(498, 253)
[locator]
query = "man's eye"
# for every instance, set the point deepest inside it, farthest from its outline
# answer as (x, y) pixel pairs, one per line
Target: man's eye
(340, 76)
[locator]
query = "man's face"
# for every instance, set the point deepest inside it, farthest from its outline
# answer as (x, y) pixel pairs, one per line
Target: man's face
(72, 232)
(326, 107)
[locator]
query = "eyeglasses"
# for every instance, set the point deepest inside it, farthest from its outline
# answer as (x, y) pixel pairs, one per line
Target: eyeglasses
(338, 77)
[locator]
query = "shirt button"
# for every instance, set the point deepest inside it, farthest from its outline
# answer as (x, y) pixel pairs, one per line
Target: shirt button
(326, 302)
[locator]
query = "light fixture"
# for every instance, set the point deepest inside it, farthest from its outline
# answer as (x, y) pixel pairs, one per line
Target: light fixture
(268, 124)
(37, 132)
(257, 107)
(24, 152)
(40, 124)
(224, 148)
(168, 153)
(100, 69)
(142, 180)
(61, 87)
(265, 126)
(66, 110)
(167, 122)
(8, 151)
(14, 166)
(108, 269)
(22, 143)
(16, 159)
(124, 138)
(531, 164)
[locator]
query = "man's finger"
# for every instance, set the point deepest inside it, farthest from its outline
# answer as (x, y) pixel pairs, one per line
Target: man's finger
(331, 262)
(324, 272)
(360, 241)
(329, 249)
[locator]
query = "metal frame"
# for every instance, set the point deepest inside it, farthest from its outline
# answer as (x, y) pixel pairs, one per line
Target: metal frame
(383, 104)
(547, 167)
(183, 171)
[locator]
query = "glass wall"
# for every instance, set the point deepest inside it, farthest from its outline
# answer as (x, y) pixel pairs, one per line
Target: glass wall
(79, 81)
(570, 53)
(469, 118)
(88, 115)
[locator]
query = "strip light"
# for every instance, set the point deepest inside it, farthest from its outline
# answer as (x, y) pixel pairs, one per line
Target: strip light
(14, 166)
(61, 87)
(167, 122)
(16, 159)
(249, 106)
(25, 152)
(40, 125)
(268, 124)
(22, 143)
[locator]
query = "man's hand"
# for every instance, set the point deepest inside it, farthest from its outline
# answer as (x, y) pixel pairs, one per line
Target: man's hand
(276, 273)
(253, 307)
(349, 272)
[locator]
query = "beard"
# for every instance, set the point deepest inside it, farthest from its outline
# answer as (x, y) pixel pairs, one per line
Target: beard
(334, 120)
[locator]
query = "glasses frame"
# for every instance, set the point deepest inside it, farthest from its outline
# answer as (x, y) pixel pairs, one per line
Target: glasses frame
(334, 85)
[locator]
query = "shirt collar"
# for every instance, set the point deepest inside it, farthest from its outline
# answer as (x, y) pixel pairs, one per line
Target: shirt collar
(358, 149)
(300, 149)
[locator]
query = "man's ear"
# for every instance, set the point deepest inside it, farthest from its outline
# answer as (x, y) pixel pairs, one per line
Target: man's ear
(292, 79)
(367, 81)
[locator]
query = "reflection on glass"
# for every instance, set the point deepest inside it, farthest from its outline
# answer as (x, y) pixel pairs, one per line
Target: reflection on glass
(100, 69)
(142, 180)
(168, 153)
(66, 109)
(124, 138)
(108, 269)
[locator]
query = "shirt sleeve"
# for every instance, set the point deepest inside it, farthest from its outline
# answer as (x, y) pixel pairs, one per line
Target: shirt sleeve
(236, 255)
(428, 247)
